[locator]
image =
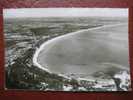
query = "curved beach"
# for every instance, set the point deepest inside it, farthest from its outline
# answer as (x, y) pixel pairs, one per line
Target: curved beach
(85, 51)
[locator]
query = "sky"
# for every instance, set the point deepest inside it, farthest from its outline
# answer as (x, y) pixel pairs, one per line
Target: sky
(65, 12)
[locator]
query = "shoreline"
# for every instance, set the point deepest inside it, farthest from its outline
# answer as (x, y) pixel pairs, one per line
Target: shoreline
(38, 50)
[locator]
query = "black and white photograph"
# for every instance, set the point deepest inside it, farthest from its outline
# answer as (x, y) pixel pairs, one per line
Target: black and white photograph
(67, 49)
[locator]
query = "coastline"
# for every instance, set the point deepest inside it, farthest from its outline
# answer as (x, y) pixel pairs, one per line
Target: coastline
(38, 50)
